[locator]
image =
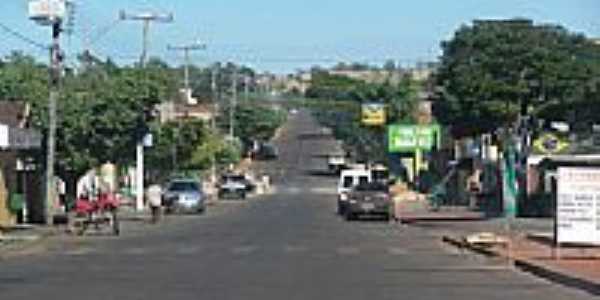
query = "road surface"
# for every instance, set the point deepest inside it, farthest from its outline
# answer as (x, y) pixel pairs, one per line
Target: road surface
(289, 245)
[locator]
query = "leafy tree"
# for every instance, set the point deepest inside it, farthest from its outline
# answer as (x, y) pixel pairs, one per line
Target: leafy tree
(389, 65)
(492, 70)
(253, 121)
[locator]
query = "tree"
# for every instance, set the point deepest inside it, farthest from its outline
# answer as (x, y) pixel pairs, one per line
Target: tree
(492, 70)
(389, 65)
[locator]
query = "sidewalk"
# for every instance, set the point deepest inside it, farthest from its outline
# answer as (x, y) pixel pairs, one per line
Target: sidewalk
(21, 238)
(529, 246)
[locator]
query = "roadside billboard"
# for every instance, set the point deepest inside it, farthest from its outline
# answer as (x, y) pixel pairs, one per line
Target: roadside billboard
(409, 138)
(373, 114)
(578, 206)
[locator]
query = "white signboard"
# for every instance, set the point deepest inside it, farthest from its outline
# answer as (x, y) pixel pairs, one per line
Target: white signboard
(578, 206)
(3, 136)
(47, 12)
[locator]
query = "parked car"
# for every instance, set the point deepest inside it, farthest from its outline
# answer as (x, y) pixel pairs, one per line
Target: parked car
(267, 151)
(235, 185)
(184, 195)
(371, 198)
(336, 163)
(348, 180)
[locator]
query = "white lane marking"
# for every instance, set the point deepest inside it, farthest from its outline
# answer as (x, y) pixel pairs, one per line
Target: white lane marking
(135, 251)
(295, 248)
(323, 191)
(314, 191)
(78, 252)
(241, 250)
(188, 250)
(347, 250)
(397, 251)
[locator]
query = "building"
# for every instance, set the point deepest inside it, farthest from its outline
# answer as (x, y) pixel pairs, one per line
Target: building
(371, 76)
(20, 183)
(176, 110)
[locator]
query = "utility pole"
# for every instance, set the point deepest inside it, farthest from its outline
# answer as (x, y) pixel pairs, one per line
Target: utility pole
(55, 74)
(213, 123)
(246, 87)
(186, 85)
(51, 14)
(233, 105)
(186, 53)
(146, 18)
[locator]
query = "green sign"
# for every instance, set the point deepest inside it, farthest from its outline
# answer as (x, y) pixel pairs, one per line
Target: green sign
(408, 138)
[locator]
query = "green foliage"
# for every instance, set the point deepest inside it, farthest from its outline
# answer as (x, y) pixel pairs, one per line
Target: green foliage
(254, 121)
(492, 67)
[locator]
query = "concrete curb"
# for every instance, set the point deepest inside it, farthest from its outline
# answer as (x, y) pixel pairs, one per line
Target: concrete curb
(536, 269)
(15, 246)
(425, 219)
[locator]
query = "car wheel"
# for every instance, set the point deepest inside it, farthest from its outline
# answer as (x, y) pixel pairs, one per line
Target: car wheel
(349, 215)
(243, 195)
(340, 208)
(387, 217)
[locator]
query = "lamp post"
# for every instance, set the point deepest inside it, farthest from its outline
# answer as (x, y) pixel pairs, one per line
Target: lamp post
(146, 18)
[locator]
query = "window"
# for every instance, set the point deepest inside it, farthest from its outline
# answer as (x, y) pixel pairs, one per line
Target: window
(362, 180)
(182, 186)
(348, 181)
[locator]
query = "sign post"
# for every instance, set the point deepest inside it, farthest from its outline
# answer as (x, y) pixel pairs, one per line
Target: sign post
(415, 139)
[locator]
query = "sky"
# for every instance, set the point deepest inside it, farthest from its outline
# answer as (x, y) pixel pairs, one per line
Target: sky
(284, 36)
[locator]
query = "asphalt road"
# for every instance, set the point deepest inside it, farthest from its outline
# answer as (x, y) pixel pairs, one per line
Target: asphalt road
(289, 245)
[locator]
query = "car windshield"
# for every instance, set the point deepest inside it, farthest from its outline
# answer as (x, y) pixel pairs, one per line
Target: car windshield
(184, 186)
(348, 181)
(236, 178)
(374, 187)
(362, 180)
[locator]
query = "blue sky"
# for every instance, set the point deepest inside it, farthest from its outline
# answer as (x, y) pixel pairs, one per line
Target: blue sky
(282, 36)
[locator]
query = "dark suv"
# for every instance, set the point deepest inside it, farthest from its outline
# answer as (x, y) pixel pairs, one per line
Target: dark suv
(368, 199)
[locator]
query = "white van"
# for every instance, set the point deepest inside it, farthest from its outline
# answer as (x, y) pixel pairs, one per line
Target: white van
(348, 180)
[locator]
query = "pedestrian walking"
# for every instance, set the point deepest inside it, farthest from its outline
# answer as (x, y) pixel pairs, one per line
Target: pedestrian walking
(154, 197)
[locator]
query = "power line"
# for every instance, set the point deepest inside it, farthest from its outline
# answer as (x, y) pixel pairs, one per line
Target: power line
(23, 38)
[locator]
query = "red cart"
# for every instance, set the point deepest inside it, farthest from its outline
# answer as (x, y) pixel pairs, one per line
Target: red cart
(99, 212)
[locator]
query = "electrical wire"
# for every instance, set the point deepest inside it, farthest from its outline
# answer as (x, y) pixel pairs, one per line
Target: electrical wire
(23, 38)
(103, 32)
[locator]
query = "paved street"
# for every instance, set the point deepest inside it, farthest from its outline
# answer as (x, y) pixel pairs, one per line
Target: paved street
(289, 245)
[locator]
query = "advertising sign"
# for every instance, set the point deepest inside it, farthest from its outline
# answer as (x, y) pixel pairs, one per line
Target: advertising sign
(578, 206)
(47, 12)
(373, 114)
(408, 138)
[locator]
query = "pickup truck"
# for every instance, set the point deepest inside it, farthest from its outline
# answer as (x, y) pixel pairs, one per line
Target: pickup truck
(336, 163)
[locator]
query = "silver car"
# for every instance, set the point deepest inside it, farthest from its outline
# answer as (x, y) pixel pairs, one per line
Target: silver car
(184, 195)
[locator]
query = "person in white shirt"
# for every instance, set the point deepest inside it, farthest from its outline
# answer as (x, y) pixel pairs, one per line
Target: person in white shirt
(154, 197)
